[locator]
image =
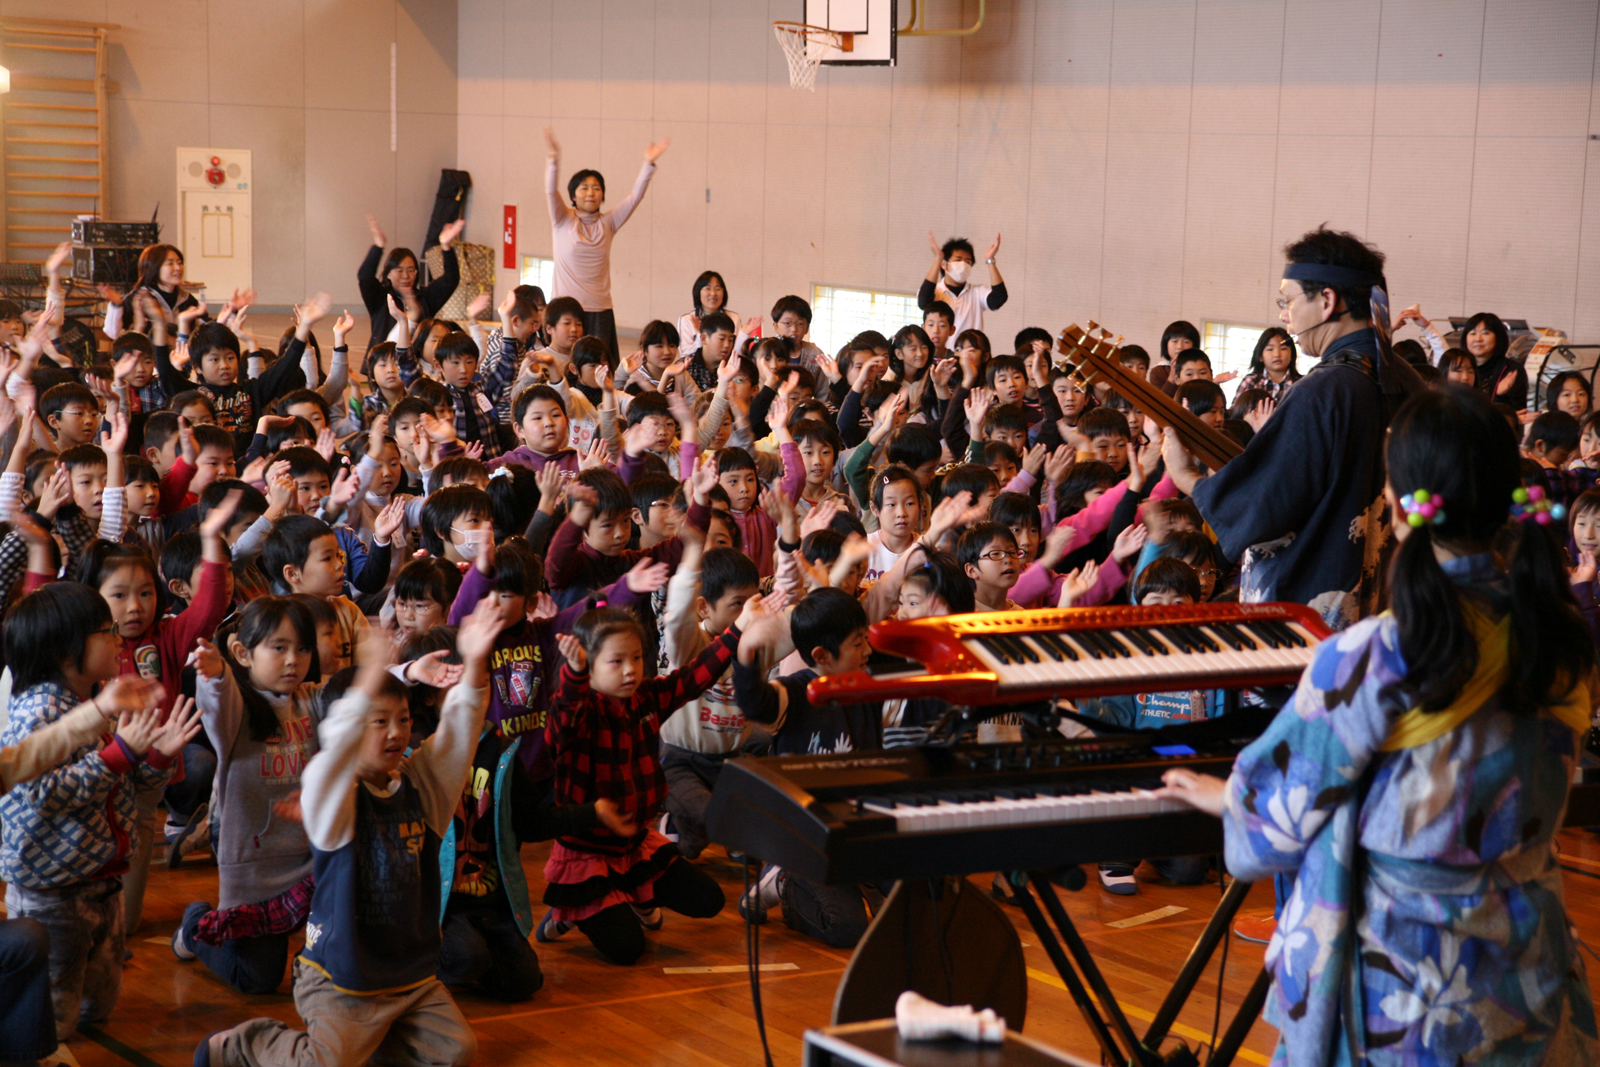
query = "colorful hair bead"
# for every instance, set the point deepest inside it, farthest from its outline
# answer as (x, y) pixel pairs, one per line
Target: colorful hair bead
(1422, 507)
(1533, 504)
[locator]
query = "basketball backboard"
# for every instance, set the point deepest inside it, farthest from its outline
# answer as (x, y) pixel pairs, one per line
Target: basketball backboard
(871, 24)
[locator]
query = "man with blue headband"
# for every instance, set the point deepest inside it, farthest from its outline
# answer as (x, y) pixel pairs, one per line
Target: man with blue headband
(1302, 506)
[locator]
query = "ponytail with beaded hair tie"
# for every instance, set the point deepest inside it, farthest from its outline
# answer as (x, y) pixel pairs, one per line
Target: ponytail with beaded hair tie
(1533, 504)
(1422, 507)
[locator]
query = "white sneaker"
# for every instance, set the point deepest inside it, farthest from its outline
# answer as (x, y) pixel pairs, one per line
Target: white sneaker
(649, 918)
(1118, 878)
(550, 928)
(665, 828)
(759, 898)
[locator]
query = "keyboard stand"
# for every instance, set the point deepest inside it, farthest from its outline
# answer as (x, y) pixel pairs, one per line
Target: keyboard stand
(1120, 1046)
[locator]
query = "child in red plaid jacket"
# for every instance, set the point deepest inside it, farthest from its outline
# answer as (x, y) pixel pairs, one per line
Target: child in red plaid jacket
(603, 730)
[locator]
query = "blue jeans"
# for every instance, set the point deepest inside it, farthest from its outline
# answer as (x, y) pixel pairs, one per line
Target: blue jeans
(248, 964)
(836, 915)
(27, 1024)
(199, 771)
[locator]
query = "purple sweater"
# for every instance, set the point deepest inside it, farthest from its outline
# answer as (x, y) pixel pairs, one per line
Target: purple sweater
(566, 459)
(523, 668)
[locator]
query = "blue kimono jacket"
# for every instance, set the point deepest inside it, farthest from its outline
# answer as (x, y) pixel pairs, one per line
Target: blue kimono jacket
(1461, 950)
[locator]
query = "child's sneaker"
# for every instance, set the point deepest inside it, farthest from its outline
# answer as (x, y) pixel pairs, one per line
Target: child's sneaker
(180, 947)
(551, 928)
(192, 837)
(665, 827)
(649, 918)
(1118, 878)
(759, 898)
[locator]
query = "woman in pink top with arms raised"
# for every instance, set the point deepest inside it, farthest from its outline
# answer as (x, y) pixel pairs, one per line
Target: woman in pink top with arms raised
(581, 237)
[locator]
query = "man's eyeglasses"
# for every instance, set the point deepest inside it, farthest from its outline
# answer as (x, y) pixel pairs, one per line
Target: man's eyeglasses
(1284, 302)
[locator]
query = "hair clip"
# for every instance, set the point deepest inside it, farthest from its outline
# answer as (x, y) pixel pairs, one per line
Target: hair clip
(1422, 506)
(502, 471)
(1532, 503)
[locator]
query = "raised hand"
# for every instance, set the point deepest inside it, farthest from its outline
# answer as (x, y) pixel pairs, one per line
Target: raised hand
(1259, 414)
(472, 449)
(572, 649)
(820, 517)
(598, 454)
(342, 327)
(439, 431)
(475, 636)
(977, 406)
(1033, 461)
(182, 726)
(280, 487)
(1078, 583)
(994, 249)
(58, 259)
(327, 444)
(1585, 570)
(126, 694)
(1130, 542)
(652, 153)
(377, 232)
(1507, 380)
(450, 231)
(646, 576)
(344, 489)
(581, 501)
(116, 439)
(753, 609)
(57, 491)
(219, 518)
(432, 670)
(1056, 544)
(726, 369)
(315, 309)
(828, 366)
(946, 514)
(1059, 463)
(550, 142)
(387, 522)
(549, 482)
(705, 477)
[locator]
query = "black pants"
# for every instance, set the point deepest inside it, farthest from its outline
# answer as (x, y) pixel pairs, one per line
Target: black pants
(603, 324)
(199, 769)
(27, 1019)
(483, 947)
(691, 776)
(684, 888)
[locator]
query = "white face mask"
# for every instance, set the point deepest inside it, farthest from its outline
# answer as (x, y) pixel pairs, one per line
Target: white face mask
(471, 542)
(957, 270)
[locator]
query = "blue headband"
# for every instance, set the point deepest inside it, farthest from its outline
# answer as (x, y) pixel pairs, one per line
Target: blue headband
(1331, 275)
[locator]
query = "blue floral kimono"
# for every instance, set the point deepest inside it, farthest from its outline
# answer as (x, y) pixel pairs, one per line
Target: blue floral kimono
(1461, 951)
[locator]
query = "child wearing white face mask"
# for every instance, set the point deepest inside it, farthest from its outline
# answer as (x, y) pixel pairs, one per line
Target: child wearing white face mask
(947, 281)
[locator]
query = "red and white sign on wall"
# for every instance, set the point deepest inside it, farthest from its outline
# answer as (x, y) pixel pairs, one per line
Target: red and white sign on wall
(508, 238)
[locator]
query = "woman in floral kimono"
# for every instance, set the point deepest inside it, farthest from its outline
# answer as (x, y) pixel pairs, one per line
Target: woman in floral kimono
(1415, 783)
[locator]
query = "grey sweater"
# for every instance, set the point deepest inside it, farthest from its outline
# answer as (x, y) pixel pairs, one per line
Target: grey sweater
(260, 852)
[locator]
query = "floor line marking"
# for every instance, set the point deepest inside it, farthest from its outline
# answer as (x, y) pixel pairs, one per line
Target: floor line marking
(112, 1045)
(1147, 917)
(732, 968)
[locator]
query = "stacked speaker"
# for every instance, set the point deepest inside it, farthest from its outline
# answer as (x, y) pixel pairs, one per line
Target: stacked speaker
(109, 251)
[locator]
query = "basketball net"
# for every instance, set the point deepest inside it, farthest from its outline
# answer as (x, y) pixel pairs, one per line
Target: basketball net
(804, 46)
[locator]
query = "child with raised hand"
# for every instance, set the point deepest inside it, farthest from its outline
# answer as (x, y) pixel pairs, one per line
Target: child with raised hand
(375, 819)
(707, 593)
(257, 693)
(604, 733)
(66, 836)
(488, 916)
(589, 549)
(215, 352)
(27, 1023)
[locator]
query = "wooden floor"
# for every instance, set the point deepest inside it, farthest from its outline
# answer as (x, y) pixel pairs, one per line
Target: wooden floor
(591, 1012)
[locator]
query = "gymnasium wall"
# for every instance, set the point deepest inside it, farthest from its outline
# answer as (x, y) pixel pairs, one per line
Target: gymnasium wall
(1144, 159)
(304, 84)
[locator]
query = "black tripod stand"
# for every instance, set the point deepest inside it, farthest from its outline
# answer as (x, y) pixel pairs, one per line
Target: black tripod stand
(1087, 986)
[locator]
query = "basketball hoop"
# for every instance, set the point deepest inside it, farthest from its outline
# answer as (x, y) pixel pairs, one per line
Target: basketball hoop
(804, 46)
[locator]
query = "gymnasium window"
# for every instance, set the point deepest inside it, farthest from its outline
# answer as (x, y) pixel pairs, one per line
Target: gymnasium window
(839, 314)
(1230, 346)
(536, 270)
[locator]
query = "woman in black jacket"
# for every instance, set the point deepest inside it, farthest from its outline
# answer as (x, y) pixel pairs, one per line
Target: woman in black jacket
(398, 278)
